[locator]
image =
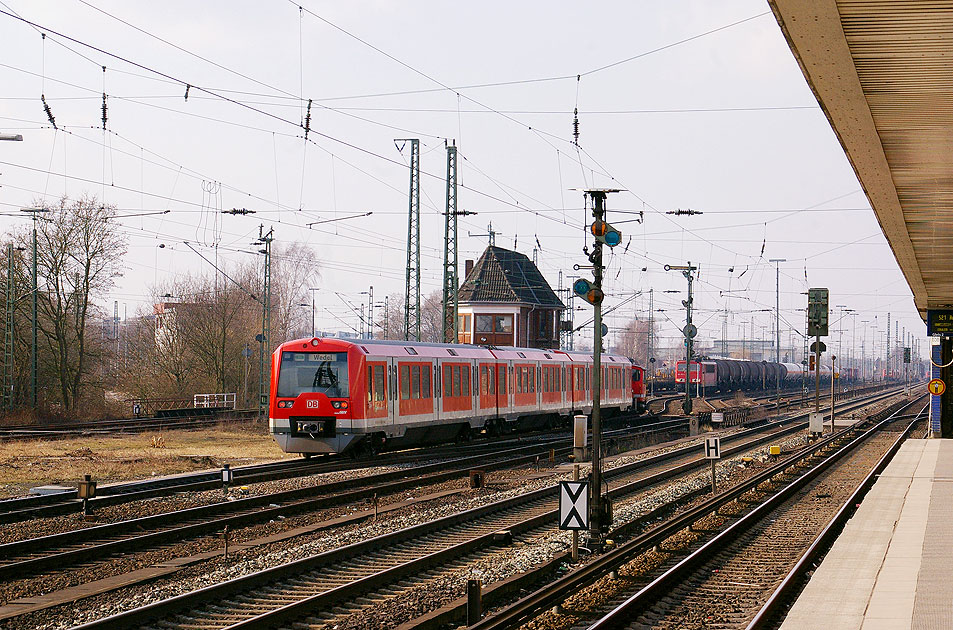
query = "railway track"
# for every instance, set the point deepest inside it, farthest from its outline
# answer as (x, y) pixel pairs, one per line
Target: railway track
(739, 543)
(57, 551)
(60, 503)
(318, 585)
(123, 425)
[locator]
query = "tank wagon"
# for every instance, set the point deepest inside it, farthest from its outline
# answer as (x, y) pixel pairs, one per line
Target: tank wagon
(722, 375)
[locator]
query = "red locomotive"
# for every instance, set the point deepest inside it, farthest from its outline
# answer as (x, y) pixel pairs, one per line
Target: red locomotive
(336, 395)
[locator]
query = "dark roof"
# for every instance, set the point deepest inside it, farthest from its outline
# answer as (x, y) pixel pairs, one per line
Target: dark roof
(502, 275)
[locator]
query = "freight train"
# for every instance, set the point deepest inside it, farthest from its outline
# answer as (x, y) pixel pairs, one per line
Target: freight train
(723, 375)
(337, 395)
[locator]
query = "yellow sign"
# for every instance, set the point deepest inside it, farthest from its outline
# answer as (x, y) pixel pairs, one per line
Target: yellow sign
(936, 387)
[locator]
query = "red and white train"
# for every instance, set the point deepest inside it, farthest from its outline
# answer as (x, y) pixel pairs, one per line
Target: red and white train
(335, 395)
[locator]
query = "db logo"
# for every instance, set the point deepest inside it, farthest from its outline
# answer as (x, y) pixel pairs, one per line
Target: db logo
(312, 404)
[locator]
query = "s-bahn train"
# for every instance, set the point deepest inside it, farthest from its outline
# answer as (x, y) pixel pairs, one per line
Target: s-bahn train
(728, 374)
(337, 395)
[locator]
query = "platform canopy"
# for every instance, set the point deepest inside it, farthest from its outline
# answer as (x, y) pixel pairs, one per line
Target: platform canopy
(882, 71)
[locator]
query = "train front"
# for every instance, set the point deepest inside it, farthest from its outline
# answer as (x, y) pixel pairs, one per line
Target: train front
(309, 409)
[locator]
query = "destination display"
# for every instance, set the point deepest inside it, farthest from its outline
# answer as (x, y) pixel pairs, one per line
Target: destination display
(939, 322)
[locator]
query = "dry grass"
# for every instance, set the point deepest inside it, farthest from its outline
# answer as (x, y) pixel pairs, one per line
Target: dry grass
(24, 464)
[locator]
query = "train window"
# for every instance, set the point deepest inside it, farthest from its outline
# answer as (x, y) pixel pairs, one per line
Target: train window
(425, 381)
(491, 380)
(483, 385)
(501, 378)
(636, 376)
(379, 390)
(465, 381)
(415, 381)
(447, 381)
(532, 379)
(456, 381)
(405, 382)
(370, 382)
(323, 373)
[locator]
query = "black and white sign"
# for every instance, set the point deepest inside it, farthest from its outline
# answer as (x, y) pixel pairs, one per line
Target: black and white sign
(573, 505)
(712, 448)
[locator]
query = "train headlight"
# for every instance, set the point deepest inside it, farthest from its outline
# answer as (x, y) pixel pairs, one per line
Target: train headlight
(339, 404)
(284, 404)
(314, 342)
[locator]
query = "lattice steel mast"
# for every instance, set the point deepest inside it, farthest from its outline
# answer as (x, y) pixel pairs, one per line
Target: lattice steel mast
(450, 274)
(412, 285)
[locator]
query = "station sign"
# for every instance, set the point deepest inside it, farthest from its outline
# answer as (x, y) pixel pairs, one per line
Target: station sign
(939, 322)
(573, 505)
(936, 387)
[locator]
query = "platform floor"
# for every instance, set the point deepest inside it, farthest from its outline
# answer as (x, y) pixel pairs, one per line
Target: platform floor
(892, 566)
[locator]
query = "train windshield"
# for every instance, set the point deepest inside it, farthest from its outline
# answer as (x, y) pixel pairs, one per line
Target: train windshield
(313, 372)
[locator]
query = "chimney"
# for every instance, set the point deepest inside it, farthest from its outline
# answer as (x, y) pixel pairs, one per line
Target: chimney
(467, 268)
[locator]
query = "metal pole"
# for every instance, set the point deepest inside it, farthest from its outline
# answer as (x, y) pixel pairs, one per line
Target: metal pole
(777, 328)
(575, 532)
(33, 367)
(33, 349)
(687, 405)
(833, 374)
(817, 374)
(595, 530)
(412, 280)
(264, 376)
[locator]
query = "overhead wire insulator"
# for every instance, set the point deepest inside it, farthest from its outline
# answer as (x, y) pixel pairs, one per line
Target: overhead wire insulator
(49, 113)
(104, 98)
(307, 121)
(187, 88)
(575, 126)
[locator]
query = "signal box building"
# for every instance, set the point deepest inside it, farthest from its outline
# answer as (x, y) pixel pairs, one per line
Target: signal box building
(505, 301)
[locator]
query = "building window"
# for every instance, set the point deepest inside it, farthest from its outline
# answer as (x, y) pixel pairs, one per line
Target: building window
(463, 328)
(503, 324)
(484, 323)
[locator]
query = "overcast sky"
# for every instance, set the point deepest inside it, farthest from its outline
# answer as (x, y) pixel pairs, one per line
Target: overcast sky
(683, 104)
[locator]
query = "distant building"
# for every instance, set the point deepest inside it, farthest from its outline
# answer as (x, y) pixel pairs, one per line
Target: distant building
(505, 301)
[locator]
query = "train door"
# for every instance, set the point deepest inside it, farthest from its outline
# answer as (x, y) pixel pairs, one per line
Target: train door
(376, 411)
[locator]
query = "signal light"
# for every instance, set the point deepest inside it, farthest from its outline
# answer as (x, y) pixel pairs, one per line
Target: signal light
(811, 359)
(584, 289)
(605, 233)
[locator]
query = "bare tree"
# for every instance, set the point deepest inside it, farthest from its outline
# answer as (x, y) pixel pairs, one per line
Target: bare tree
(431, 318)
(633, 341)
(294, 269)
(79, 254)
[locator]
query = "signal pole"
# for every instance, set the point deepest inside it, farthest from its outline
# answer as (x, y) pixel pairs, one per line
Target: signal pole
(689, 331)
(592, 293)
(650, 355)
(412, 284)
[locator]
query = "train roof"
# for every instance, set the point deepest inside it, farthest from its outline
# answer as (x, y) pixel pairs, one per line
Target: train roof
(398, 348)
